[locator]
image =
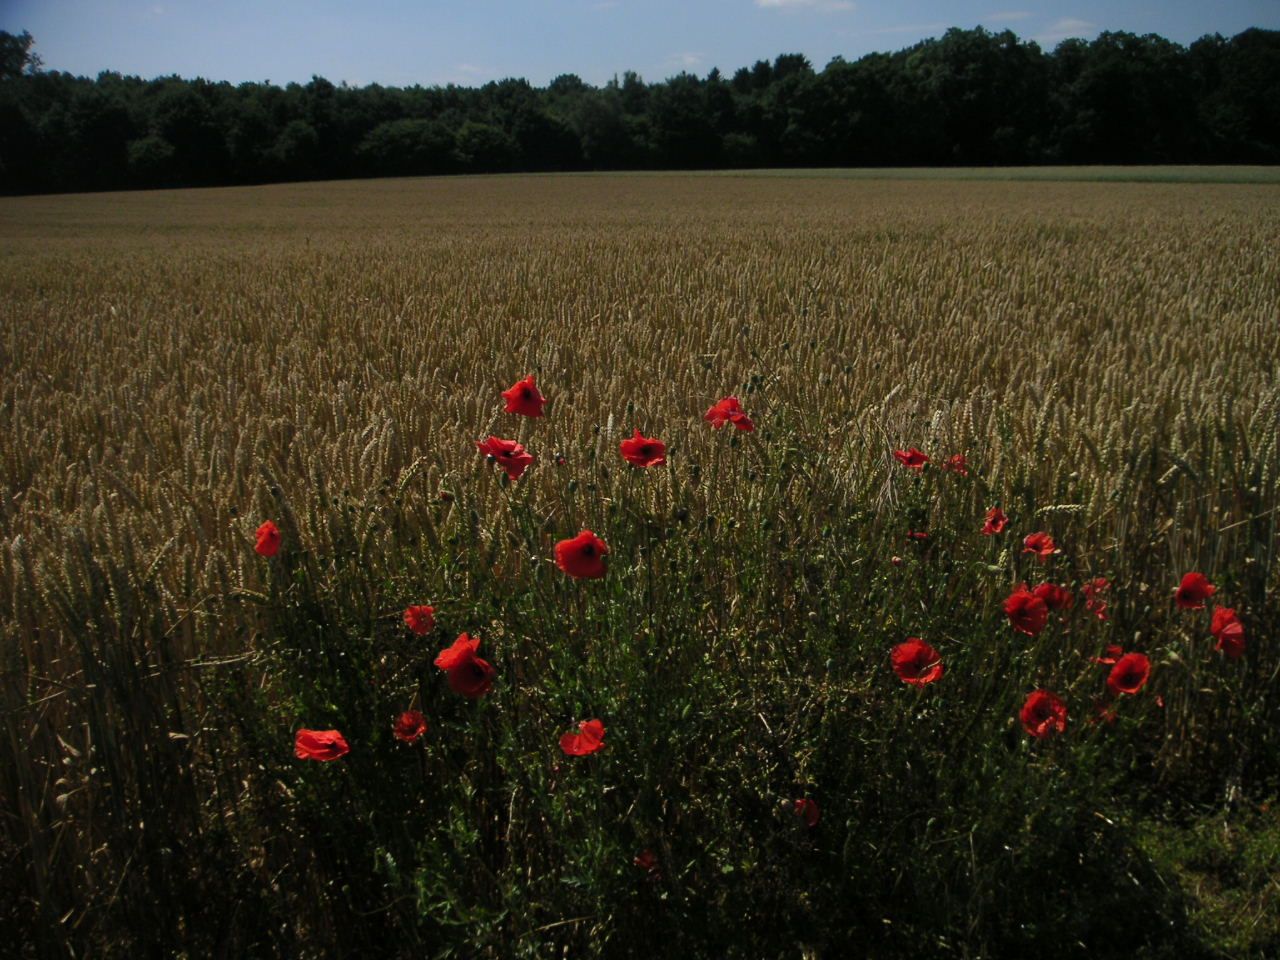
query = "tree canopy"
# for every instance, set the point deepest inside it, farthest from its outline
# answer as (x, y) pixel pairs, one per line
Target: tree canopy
(970, 97)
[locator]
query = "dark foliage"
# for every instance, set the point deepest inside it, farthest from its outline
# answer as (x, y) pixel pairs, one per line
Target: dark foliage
(971, 97)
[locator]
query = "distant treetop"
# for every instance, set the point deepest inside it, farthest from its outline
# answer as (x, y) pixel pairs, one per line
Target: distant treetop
(969, 97)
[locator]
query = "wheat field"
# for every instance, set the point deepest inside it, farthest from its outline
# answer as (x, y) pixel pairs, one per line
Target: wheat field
(179, 366)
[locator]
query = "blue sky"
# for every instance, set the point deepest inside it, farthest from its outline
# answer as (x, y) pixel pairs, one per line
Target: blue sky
(401, 42)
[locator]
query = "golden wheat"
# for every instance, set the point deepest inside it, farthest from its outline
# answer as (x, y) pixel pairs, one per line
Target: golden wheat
(179, 365)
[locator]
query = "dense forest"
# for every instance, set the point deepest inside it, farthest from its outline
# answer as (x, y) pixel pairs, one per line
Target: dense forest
(970, 97)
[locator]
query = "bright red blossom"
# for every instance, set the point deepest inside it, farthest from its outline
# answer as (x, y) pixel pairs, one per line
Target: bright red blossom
(1231, 641)
(1041, 544)
(268, 544)
(1222, 616)
(912, 459)
(468, 674)
(1026, 612)
(728, 410)
(583, 556)
(807, 810)
(956, 463)
(457, 653)
(523, 398)
(1194, 590)
(1229, 632)
(508, 454)
(915, 662)
(319, 745)
(588, 739)
(996, 522)
(420, 618)
(1043, 714)
(1129, 674)
(1054, 596)
(409, 726)
(642, 451)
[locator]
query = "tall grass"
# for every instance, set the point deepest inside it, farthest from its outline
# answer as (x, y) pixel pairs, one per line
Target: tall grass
(180, 366)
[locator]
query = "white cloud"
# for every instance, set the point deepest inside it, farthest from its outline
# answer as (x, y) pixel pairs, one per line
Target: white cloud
(824, 6)
(683, 61)
(467, 75)
(1066, 28)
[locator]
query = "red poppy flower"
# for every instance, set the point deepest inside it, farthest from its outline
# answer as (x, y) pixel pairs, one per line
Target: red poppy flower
(268, 544)
(1229, 632)
(1110, 655)
(1095, 588)
(1054, 596)
(523, 398)
(1043, 715)
(421, 619)
(1041, 544)
(1194, 590)
(912, 459)
(1129, 674)
(1222, 616)
(509, 455)
(409, 726)
(807, 810)
(468, 674)
(647, 861)
(956, 463)
(319, 745)
(996, 522)
(915, 662)
(1093, 592)
(583, 556)
(588, 739)
(641, 451)
(728, 410)
(917, 535)
(1027, 612)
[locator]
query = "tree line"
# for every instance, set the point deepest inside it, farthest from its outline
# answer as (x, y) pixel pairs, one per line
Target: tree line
(970, 97)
